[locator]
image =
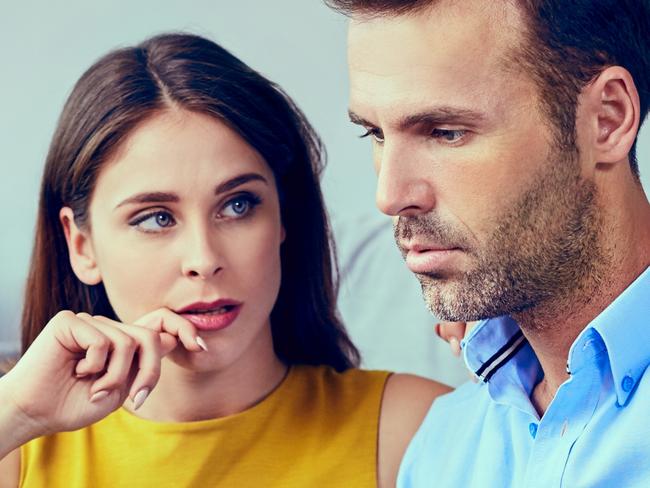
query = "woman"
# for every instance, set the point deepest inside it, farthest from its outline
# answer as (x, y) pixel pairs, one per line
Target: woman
(182, 243)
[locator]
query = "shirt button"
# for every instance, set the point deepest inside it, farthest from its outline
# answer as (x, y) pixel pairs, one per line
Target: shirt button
(627, 383)
(533, 430)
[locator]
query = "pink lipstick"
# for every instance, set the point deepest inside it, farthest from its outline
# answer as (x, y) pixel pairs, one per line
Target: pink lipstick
(215, 315)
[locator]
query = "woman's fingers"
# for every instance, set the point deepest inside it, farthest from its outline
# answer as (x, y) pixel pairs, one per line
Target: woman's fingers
(447, 330)
(168, 343)
(123, 358)
(73, 334)
(84, 367)
(154, 323)
(144, 372)
(122, 354)
(453, 333)
(164, 320)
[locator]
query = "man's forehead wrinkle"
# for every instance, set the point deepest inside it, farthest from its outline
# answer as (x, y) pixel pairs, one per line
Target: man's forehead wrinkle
(400, 67)
(404, 107)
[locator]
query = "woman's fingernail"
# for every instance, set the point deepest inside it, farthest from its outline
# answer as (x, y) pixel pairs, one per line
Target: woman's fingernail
(455, 346)
(100, 395)
(201, 343)
(140, 397)
(436, 329)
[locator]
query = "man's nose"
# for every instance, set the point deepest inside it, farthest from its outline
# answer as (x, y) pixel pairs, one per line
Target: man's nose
(201, 258)
(403, 185)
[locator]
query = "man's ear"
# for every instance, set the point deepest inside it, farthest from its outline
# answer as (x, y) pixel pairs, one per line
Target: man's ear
(614, 102)
(80, 249)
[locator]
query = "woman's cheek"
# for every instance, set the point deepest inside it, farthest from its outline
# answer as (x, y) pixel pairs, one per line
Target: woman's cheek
(263, 263)
(133, 281)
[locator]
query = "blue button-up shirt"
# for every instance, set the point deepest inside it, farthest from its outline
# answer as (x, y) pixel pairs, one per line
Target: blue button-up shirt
(595, 432)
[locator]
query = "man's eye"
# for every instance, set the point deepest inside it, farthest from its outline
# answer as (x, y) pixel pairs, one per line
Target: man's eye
(376, 134)
(448, 135)
(153, 221)
(239, 206)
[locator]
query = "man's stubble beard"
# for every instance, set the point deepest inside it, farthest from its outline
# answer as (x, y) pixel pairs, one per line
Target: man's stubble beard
(544, 254)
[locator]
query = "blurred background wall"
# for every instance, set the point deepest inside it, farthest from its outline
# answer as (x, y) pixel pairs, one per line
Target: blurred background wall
(45, 46)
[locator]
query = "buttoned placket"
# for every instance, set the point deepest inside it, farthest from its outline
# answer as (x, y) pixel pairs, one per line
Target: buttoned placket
(565, 418)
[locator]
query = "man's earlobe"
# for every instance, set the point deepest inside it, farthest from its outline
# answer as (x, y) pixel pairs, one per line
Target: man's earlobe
(617, 107)
(80, 249)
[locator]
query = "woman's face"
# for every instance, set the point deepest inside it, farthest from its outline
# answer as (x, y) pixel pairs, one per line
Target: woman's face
(186, 216)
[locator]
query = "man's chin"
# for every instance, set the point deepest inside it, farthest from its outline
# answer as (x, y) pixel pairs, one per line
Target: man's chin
(447, 302)
(440, 299)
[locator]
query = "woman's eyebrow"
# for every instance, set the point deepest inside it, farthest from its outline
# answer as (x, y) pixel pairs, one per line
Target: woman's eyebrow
(239, 180)
(149, 197)
(164, 197)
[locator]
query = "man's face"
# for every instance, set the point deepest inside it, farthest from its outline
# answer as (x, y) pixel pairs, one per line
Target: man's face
(489, 213)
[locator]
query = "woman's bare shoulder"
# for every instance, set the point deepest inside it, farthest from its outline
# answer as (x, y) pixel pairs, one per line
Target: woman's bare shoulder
(10, 470)
(407, 399)
(413, 389)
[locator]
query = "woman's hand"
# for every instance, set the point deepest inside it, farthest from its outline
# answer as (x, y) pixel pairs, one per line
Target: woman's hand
(453, 333)
(81, 368)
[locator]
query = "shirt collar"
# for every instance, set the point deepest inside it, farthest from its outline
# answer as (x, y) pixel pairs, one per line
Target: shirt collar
(624, 327)
(491, 344)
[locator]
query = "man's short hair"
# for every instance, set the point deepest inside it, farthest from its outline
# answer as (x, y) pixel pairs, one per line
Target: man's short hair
(567, 45)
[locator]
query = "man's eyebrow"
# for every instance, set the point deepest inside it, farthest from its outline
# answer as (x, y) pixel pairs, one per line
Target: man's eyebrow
(440, 115)
(356, 119)
(164, 197)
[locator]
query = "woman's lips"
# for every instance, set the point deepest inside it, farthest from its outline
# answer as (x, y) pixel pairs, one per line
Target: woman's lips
(429, 260)
(213, 320)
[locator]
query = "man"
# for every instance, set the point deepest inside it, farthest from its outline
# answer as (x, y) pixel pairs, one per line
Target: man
(504, 141)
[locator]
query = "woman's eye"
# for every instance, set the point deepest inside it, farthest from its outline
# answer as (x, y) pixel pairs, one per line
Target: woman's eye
(239, 207)
(448, 135)
(154, 221)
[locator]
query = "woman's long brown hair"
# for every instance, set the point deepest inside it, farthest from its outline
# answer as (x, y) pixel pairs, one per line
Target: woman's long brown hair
(128, 86)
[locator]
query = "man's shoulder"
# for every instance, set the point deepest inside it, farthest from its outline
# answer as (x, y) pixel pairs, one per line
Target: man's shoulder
(468, 392)
(450, 430)
(454, 412)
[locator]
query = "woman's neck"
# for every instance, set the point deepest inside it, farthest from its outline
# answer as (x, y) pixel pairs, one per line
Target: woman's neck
(185, 395)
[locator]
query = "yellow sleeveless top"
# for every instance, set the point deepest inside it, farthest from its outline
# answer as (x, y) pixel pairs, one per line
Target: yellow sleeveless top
(318, 428)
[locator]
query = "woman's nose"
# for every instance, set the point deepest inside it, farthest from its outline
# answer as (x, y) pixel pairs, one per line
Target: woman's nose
(201, 257)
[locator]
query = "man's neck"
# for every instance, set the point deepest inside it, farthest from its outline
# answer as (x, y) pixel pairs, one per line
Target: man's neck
(551, 331)
(552, 327)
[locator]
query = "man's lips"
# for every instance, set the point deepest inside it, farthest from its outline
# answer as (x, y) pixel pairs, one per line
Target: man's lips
(424, 247)
(428, 258)
(211, 315)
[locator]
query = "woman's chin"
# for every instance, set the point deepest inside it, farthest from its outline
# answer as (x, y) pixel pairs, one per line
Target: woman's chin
(199, 362)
